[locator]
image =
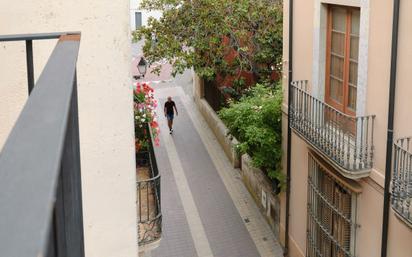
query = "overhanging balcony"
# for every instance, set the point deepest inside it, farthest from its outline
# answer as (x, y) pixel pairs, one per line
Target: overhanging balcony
(402, 180)
(344, 141)
(148, 197)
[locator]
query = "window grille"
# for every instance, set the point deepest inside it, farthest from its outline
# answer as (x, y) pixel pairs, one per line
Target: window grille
(331, 222)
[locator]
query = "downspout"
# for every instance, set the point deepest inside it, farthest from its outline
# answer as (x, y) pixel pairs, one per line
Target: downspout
(389, 137)
(289, 139)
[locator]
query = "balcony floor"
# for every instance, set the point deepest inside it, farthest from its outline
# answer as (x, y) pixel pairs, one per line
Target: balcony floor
(204, 202)
(148, 207)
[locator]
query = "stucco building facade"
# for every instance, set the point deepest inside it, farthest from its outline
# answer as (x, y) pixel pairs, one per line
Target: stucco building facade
(140, 17)
(104, 101)
(339, 121)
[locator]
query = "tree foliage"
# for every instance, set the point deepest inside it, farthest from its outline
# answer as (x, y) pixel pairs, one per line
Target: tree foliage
(203, 33)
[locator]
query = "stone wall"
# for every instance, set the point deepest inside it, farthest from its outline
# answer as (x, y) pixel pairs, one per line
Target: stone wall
(260, 187)
(227, 142)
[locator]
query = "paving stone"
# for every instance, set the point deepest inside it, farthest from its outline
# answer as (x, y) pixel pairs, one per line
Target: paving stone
(221, 200)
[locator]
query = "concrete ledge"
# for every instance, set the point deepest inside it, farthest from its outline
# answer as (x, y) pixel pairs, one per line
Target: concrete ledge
(221, 132)
(260, 187)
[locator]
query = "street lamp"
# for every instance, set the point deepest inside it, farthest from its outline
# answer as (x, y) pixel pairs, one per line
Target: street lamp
(142, 66)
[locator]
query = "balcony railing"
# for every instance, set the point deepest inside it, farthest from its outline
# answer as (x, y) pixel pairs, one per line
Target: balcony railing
(345, 141)
(40, 180)
(148, 197)
(402, 179)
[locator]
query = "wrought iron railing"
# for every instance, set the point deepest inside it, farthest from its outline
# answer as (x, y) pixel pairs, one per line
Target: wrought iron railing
(213, 95)
(402, 179)
(148, 197)
(345, 140)
(40, 180)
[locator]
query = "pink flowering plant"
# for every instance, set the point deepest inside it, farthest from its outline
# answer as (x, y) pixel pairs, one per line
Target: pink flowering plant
(145, 120)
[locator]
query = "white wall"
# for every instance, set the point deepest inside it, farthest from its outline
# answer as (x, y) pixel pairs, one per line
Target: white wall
(135, 7)
(105, 107)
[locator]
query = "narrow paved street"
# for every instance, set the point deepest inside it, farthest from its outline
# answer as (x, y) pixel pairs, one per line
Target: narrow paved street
(206, 209)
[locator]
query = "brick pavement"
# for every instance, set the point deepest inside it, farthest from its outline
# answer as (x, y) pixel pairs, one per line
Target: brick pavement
(204, 203)
(176, 239)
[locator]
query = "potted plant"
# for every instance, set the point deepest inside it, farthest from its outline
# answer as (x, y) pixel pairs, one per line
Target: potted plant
(145, 120)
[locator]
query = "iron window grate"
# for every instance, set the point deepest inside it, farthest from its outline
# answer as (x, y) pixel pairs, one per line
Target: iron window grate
(331, 215)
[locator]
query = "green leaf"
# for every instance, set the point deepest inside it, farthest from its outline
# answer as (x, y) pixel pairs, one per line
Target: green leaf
(255, 120)
(200, 34)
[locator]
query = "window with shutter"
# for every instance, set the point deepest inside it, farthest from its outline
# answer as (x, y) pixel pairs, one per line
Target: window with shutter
(330, 222)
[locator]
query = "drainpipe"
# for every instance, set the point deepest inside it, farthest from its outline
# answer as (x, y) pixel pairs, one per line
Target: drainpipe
(389, 137)
(289, 139)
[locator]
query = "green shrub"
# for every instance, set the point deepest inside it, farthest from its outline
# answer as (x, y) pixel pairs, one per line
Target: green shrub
(255, 120)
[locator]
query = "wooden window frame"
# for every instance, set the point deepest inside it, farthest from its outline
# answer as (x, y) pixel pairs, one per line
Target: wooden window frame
(345, 97)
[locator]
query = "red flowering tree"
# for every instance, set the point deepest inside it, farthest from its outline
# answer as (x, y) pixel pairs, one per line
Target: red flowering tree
(145, 120)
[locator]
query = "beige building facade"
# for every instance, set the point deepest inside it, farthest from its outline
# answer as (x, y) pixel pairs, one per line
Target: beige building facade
(105, 107)
(339, 116)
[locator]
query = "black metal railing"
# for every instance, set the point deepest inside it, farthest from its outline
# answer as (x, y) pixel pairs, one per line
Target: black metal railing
(347, 141)
(402, 179)
(40, 179)
(213, 95)
(148, 197)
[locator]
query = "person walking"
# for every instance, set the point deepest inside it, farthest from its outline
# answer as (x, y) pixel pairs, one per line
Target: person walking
(169, 109)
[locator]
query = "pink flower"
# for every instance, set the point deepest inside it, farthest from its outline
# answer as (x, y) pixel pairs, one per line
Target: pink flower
(157, 141)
